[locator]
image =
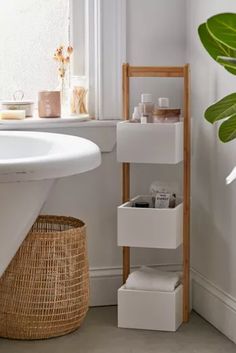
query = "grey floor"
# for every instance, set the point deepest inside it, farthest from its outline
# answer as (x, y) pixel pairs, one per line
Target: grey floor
(99, 334)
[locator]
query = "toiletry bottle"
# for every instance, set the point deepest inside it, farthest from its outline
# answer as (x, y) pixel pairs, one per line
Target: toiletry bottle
(146, 106)
(159, 111)
(163, 102)
(144, 119)
(136, 116)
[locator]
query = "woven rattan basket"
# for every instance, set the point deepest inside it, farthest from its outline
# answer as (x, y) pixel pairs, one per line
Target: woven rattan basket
(44, 291)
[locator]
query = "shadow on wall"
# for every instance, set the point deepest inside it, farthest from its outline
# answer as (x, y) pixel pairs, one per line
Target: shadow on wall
(210, 250)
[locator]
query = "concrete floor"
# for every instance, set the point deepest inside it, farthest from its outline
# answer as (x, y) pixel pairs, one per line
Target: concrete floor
(99, 334)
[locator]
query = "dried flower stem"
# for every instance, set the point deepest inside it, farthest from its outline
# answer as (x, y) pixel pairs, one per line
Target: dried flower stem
(62, 56)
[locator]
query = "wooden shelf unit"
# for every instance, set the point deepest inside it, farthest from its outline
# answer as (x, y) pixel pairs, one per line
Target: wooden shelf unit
(167, 72)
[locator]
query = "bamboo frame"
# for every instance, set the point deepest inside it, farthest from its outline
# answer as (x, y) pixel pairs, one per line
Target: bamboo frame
(186, 196)
(126, 166)
(155, 71)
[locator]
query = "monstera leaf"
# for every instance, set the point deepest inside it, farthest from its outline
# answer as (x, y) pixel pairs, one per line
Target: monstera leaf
(218, 36)
(227, 131)
(223, 28)
(227, 62)
(215, 48)
(225, 108)
(221, 109)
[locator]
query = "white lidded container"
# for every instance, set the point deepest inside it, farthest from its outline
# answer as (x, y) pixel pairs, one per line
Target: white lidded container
(146, 106)
(17, 103)
(163, 102)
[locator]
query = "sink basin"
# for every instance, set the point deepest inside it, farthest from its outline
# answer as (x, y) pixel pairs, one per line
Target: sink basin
(30, 163)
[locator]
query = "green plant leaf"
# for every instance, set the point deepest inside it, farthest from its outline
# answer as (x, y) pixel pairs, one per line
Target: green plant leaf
(221, 109)
(227, 61)
(214, 47)
(227, 131)
(232, 71)
(218, 36)
(223, 28)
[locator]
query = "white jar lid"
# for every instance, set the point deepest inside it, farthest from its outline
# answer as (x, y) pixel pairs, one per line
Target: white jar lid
(146, 98)
(17, 99)
(163, 102)
(12, 102)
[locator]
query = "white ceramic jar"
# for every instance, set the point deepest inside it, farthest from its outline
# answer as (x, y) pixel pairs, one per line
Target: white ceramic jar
(27, 106)
(17, 103)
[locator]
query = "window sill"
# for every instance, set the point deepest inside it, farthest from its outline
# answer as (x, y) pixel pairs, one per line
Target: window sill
(36, 123)
(101, 132)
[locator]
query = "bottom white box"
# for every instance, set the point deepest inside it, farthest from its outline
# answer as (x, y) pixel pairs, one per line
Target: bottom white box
(150, 310)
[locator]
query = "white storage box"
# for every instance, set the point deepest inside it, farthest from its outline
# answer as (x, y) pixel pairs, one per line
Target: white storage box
(150, 310)
(150, 227)
(150, 143)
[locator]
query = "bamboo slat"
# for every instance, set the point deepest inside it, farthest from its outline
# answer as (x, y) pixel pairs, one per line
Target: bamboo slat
(145, 71)
(125, 167)
(186, 198)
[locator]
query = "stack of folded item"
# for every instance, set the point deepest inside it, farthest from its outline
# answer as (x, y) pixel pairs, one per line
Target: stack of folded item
(151, 279)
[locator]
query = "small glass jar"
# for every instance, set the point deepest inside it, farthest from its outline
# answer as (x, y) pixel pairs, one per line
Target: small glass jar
(79, 95)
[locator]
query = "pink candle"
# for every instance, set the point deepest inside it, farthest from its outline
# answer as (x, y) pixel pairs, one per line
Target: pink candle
(49, 104)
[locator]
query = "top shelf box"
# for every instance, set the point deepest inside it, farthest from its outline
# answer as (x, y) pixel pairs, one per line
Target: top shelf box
(157, 143)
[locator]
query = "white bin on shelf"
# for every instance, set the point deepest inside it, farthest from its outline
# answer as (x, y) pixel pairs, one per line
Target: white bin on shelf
(150, 310)
(150, 227)
(150, 143)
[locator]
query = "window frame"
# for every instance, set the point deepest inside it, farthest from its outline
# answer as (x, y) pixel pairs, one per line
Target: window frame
(104, 46)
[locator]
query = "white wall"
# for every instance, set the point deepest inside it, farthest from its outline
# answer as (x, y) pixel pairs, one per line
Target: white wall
(95, 195)
(213, 240)
(156, 36)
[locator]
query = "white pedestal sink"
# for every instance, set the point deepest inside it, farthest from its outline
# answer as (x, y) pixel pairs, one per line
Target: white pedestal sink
(30, 162)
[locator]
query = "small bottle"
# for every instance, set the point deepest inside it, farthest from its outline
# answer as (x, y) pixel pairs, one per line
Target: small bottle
(159, 112)
(144, 119)
(172, 203)
(136, 116)
(146, 106)
(163, 102)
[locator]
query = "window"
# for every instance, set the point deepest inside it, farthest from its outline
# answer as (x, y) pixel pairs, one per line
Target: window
(79, 36)
(30, 32)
